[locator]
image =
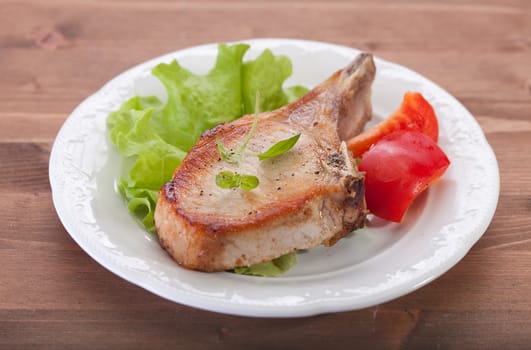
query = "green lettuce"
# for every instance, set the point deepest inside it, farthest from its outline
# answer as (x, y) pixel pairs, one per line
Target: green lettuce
(275, 267)
(155, 137)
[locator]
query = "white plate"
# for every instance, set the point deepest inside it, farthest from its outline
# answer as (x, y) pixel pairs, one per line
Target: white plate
(371, 267)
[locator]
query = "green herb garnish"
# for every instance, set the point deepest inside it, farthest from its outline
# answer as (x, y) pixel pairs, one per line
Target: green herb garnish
(226, 155)
(228, 179)
(279, 148)
(248, 182)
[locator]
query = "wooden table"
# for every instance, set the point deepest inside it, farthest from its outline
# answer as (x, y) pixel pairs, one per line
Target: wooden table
(55, 53)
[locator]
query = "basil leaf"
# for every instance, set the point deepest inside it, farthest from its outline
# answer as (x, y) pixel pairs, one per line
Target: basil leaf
(279, 148)
(226, 155)
(227, 179)
(249, 182)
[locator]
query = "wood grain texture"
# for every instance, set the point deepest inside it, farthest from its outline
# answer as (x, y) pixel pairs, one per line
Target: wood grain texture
(54, 54)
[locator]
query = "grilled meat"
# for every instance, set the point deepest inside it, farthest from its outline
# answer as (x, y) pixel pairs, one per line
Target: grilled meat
(309, 196)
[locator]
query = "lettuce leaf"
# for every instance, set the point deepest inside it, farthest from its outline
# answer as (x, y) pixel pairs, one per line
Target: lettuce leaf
(265, 74)
(155, 137)
(275, 267)
(140, 202)
(199, 102)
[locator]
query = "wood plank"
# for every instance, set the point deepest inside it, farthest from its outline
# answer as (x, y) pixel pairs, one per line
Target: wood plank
(24, 167)
(221, 331)
(30, 127)
(55, 78)
(383, 328)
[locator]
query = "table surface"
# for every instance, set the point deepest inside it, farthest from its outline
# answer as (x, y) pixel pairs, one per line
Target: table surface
(53, 54)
